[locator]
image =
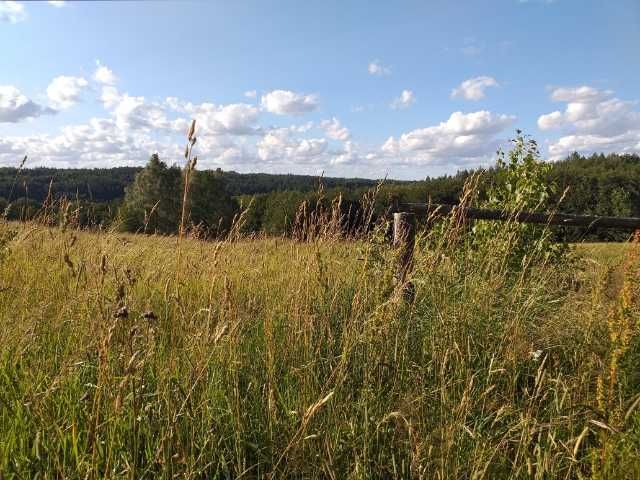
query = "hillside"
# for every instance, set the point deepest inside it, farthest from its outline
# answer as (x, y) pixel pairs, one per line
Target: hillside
(603, 184)
(108, 184)
(598, 185)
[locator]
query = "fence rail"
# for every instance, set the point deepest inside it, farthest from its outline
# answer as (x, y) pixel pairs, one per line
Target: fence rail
(564, 219)
(404, 227)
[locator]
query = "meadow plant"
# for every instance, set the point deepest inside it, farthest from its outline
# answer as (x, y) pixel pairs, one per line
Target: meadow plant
(272, 357)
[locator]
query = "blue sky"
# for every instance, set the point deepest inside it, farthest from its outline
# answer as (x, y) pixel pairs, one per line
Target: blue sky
(361, 88)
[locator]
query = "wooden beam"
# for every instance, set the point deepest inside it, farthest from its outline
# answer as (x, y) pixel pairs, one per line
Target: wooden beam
(563, 219)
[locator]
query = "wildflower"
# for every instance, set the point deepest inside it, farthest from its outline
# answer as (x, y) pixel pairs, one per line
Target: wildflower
(535, 356)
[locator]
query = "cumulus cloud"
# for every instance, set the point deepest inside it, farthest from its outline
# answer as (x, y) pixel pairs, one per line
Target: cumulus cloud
(135, 113)
(98, 143)
(473, 88)
(377, 68)
(221, 150)
(57, 3)
(212, 119)
(232, 135)
(551, 120)
(581, 94)
(302, 128)
(64, 91)
(12, 12)
(286, 102)
(405, 100)
(234, 119)
(463, 138)
(104, 75)
(593, 120)
(134, 128)
(279, 146)
(15, 107)
(335, 130)
(109, 97)
(251, 94)
(350, 155)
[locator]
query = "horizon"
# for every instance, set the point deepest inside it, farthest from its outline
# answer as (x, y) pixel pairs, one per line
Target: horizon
(403, 93)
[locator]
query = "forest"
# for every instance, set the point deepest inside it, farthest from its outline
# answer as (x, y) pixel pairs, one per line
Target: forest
(598, 184)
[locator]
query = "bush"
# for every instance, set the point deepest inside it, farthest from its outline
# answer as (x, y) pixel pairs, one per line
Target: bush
(521, 183)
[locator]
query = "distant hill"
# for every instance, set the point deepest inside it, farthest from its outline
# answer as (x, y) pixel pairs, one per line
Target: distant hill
(598, 184)
(108, 184)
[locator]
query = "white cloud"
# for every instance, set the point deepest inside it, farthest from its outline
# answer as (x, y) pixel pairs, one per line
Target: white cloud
(377, 68)
(551, 120)
(57, 3)
(302, 128)
(628, 142)
(286, 102)
(594, 120)
(14, 106)
(251, 94)
(582, 94)
(231, 119)
(104, 75)
(12, 12)
(134, 113)
(232, 135)
(110, 97)
(349, 156)
(64, 91)
(405, 100)
(335, 130)
(462, 139)
(473, 88)
(234, 119)
(223, 150)
(98, 143)
(137, 127)
(278, 146)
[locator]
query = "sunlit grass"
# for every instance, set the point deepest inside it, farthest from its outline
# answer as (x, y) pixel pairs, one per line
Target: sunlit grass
(121, 358)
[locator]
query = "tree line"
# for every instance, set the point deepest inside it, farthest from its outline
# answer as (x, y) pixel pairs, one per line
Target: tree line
(149, 199)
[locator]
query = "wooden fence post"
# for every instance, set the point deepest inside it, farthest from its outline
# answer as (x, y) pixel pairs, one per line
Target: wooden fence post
(404, 239)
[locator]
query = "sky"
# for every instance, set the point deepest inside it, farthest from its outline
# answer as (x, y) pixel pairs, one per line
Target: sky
(404, 89)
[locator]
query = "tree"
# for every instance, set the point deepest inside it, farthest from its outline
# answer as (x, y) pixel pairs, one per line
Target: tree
(152, 201)
(211, 207)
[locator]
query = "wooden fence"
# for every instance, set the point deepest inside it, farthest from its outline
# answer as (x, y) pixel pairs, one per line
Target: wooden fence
(404, 227)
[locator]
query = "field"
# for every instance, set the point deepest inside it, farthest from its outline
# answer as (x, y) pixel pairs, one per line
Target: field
(128, 356)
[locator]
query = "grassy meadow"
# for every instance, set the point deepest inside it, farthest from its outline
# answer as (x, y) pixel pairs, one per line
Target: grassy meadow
(131, 356)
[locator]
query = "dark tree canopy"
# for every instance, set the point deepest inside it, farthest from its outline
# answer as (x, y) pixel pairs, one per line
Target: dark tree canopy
(210, 206)
(152, 201)
(597, 185)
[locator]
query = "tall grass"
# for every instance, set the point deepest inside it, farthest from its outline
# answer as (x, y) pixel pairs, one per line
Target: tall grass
(278, 358)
